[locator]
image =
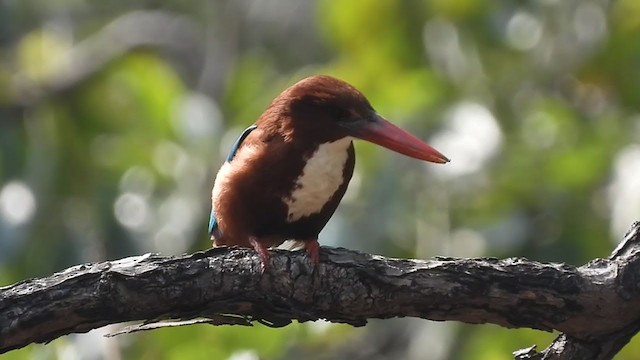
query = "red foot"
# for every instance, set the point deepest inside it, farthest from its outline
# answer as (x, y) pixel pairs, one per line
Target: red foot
(262, 251)
(313, 251)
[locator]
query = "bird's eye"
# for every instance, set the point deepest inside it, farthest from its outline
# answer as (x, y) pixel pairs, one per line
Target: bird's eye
(341, 114)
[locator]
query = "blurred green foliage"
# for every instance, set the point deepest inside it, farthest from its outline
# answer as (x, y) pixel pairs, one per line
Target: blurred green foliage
(115, 116)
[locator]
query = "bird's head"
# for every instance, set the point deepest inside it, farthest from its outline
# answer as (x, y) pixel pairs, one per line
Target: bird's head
(326, 108)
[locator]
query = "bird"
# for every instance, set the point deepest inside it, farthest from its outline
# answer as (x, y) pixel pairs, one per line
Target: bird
(286, 174)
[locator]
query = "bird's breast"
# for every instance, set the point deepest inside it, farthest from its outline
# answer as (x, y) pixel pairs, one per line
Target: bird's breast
(321, 177)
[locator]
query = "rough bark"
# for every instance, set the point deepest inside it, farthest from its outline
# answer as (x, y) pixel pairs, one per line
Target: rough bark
(596, 307)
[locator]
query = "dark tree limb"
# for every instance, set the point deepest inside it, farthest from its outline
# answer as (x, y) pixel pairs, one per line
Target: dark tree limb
(623, 262)
(596, 307)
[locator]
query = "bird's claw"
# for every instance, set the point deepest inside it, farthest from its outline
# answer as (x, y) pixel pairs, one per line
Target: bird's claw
(263, 253)
(313, 251)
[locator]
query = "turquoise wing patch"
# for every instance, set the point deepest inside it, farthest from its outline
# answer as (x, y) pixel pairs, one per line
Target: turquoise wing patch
(213, 225)
(238, 142)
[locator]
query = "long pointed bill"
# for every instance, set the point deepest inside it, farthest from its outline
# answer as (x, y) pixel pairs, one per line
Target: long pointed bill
(382, 132)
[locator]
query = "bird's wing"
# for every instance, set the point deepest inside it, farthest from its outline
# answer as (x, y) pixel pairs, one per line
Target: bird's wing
(238, 142)
(213, 223)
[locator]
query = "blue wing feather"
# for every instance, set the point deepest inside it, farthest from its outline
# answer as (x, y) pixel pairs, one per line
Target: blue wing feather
(213, 223)
(213, 226)
(238, 142)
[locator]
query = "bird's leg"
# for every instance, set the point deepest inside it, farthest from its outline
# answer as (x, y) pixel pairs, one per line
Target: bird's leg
(262, 251)
(313, 251)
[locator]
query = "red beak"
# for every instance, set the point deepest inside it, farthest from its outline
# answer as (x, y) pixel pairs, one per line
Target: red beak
(382, 132)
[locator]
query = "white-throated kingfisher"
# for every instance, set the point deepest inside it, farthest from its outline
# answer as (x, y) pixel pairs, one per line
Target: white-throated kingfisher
(285, 175)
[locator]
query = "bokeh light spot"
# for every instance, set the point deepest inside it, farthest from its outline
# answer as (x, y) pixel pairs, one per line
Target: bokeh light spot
(524, 31)
(624, 191)
(471, 137)
(131, 210)
(17, 203)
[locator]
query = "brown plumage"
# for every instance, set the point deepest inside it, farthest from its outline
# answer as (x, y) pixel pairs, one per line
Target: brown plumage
(289, 174)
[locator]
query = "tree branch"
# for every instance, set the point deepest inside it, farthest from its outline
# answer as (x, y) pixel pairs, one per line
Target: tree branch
(595, 306)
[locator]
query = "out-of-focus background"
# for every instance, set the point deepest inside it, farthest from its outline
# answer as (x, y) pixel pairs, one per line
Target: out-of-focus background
(115, 115)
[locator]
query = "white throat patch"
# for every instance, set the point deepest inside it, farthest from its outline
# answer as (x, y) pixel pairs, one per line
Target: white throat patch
(320, 179)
